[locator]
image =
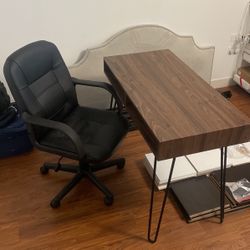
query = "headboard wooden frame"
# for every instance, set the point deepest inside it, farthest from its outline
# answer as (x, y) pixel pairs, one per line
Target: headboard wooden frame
(133, 40)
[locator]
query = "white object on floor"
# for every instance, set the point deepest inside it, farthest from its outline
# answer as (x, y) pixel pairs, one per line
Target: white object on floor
(182, 169)
(196, 164)
(239, 154)
(206, 161)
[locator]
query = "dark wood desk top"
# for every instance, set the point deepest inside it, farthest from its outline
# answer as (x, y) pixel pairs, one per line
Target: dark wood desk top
(177, 112)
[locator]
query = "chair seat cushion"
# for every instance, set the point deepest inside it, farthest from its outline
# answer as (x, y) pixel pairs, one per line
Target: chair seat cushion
(99, 130)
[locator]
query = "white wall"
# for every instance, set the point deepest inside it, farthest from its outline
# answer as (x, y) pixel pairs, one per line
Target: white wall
(79, 24)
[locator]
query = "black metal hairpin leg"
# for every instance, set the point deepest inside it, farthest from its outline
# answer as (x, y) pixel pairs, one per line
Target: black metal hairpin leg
(223, 163)
(163, 202)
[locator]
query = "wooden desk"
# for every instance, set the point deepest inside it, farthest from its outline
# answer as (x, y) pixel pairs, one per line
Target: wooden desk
(177, 112)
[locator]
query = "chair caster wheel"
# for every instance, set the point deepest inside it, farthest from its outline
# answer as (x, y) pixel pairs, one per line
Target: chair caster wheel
(121, 164)
(44, 170)
(108, 201)
(55, 203)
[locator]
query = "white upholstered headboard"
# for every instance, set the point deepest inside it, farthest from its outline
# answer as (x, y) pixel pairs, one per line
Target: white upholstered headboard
(137, 39)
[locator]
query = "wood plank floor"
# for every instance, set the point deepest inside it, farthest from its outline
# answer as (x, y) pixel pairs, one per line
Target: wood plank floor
(84, 222)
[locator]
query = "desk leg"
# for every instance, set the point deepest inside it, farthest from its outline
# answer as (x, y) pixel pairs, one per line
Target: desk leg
(163, 202)
(223, 163)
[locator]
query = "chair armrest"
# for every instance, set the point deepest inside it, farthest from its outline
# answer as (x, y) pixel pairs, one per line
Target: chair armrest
(64, 128)
(103, 85)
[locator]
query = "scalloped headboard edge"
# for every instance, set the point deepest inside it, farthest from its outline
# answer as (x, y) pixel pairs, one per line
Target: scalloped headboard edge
(133, 40)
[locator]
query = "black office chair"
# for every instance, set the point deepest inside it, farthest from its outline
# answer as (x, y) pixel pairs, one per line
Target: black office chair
(45, 94)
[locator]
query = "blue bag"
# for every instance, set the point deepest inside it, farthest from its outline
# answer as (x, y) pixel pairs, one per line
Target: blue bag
(14, 138)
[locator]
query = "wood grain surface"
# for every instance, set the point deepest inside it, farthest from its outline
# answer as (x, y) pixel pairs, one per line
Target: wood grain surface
(84, 222)
(177, 112)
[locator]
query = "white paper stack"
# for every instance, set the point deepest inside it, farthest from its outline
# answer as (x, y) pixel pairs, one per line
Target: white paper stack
(239, 154)
(182, 169)
(206, 161)
(196, 164)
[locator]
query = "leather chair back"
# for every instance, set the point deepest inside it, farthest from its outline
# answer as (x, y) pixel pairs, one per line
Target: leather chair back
(40, 81)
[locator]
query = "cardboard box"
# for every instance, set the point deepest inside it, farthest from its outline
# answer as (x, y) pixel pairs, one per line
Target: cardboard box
(244, 73)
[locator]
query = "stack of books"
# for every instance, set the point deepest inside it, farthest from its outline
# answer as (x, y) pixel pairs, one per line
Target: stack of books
(234, 174)
(199, 197)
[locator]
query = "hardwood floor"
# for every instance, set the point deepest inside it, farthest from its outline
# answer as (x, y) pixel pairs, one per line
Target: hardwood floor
(84, 222)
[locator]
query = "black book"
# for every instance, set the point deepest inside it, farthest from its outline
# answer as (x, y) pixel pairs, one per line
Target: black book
(233, 174)
(198, 196)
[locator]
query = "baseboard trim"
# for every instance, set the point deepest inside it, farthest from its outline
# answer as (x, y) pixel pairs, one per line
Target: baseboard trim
(222, 82)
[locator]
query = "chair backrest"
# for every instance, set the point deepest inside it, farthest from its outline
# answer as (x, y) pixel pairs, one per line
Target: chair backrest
(40, 81)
